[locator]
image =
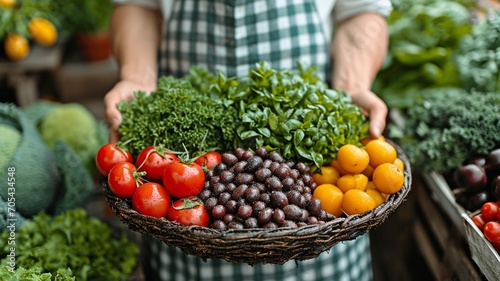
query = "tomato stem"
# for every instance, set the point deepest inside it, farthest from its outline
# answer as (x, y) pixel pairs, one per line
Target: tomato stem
(189, 203)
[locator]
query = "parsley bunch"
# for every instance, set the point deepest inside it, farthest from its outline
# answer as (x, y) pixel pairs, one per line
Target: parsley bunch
(177, 116)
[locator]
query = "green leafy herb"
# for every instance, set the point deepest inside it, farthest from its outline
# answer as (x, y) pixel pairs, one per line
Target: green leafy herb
(445, 127)
(34, 274)
(176, 115)
(291, 111)
(71, 240)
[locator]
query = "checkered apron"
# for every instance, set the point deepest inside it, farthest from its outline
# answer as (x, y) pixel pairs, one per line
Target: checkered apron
(232, 36)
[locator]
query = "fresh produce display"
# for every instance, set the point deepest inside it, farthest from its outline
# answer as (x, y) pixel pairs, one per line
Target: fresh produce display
(476, 182)
(69, 245)
(359, 179)
(260, 189)
(446, 127)
(290, 111)
(257, 145)
(488, 221)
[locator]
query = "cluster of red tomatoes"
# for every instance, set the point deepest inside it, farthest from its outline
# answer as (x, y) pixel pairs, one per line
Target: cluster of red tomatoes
(159, 183)
(488, 221)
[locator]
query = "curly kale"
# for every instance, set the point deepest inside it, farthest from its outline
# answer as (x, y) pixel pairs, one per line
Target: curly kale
(177, 116)
(446, 127)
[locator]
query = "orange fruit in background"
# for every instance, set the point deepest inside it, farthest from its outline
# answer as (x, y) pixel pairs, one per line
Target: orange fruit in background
(327, 174)
(380, 152)
(400, 164)
(331, 198)
(335, 163)
(352, 158)
(388, 178)
(357, 202)
(376, 196)
(366, 140)
(352, 181)
(16, 47)
(42, 31)
(7, 3)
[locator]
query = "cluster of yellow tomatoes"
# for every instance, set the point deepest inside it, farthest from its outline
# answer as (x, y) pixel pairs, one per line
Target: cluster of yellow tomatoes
(359, 178)
(40, 30)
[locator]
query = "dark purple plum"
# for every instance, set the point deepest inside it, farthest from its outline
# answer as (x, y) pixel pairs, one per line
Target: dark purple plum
(471, 177)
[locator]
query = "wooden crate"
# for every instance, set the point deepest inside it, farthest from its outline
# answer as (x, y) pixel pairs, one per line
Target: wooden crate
(485, 256)
(443, 247)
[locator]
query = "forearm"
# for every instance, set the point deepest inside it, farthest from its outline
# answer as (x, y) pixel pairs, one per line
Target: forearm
(135, 38)
(358, 51)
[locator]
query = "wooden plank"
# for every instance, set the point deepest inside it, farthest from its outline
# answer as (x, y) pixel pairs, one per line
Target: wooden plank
(431, 256)
(39, 59)
(441, 194)
(432, 215)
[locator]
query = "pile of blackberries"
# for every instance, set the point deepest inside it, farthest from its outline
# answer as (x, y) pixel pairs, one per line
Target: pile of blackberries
(260, 189)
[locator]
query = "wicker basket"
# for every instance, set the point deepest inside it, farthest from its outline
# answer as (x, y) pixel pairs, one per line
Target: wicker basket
(275, 246)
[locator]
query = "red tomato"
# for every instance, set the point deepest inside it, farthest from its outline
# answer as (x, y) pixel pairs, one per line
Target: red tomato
(209, 159)
(189, 211)
(496, 246)
(151, 199)
(489, 210)
(479, 221)
(492, 231)
(153, 160)
(109, 155)
(123, 180)
(183, 180)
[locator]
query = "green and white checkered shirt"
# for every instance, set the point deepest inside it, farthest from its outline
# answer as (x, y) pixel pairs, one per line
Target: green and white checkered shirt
(232, 36)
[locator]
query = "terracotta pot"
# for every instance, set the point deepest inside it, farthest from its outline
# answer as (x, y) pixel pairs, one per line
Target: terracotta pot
(94, 47)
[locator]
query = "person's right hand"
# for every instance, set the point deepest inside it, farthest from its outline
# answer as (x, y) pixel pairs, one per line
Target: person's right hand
(122, 91)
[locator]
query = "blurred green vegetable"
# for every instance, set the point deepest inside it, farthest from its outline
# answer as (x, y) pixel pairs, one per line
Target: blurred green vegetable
(447, 126)
(423, 37)
(36, 176)
(34, 274)
(72, 240)
(478, 58)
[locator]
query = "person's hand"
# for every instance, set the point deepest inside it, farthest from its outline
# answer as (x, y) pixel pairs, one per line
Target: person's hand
(122, 91)
(374, 108)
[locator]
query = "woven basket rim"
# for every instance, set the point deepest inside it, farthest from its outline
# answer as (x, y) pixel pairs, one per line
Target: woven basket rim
(259, 245)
